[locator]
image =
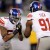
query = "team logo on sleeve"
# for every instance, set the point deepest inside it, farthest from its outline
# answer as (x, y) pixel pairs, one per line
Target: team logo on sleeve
(2, 22)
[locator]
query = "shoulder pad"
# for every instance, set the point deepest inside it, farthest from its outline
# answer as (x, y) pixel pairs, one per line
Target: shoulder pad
(29, 16)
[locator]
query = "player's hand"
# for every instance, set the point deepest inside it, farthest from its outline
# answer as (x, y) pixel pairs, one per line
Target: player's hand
(20, 37)
(17, 29)
(18, 26)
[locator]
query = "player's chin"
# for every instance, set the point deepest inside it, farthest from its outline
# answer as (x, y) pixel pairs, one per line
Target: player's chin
(20, 37)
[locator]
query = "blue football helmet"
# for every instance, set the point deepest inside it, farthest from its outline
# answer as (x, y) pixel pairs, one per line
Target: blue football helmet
(35, 6)
(14, 15)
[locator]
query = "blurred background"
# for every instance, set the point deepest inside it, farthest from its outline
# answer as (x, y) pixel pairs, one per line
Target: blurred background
(6, 5)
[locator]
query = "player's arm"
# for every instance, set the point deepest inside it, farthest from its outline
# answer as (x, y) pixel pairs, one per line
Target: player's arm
(4, 34)
(19, 31)
(7, 37)
(10, 36)
(20, 36)
(28, 28)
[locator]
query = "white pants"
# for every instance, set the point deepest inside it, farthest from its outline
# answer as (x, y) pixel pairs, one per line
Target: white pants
(44, 43)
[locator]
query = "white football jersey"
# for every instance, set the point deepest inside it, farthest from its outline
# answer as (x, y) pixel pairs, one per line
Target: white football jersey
(5, 22)
(41, 23)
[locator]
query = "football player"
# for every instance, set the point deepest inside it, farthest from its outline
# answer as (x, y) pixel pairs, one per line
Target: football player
(33, 39)
(9, 27)
(11, 24)
(39, 21)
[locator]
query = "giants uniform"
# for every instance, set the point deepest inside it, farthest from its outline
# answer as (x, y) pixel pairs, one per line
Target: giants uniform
(5, 22)
(41, 23)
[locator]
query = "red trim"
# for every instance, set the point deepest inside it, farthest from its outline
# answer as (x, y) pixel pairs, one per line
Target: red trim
(2, 22)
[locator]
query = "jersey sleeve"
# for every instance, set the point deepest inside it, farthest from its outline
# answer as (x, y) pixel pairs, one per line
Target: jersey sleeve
(1, 22)
(29, 16)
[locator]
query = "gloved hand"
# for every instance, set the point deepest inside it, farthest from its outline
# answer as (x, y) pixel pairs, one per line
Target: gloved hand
(20, 36)
(17, 29)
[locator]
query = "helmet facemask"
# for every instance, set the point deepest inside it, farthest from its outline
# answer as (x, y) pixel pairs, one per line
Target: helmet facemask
(14, 15)
(15, 19)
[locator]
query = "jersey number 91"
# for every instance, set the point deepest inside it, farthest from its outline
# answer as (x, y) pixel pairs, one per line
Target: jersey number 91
(45, 24)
